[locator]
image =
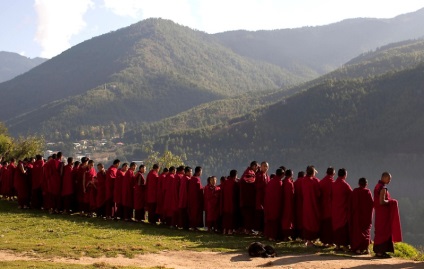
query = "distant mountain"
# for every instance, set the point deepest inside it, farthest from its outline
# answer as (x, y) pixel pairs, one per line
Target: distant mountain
(13, 64)
(145, 72)
(322, 49)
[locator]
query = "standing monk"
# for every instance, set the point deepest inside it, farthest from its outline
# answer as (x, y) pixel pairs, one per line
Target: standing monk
(229, 202)
(261, 181)
(109, 189)
(139, 194)
(287, 219)
(182, 198)
(117, 188)
(387, 224)
(89, 186)
(170, 202)
(152, 185)
(311, 206)
(195, 199)
(160, 196)
(362, 206)
(340, 208)
(326, 186)
(101, 190)
(128, 182)
(67, 186)
(248, 197)
(272, 209)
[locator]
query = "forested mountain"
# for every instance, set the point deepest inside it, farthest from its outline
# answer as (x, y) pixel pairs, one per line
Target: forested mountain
(145, 72)
(322, 49)
(385, 60)
(156, 69)
(13, 64)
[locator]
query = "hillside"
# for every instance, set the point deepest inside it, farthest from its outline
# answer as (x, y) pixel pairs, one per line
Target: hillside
(13, 64)
(322, 49)
(145, 72)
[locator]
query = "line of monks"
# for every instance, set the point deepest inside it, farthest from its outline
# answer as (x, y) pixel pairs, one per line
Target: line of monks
(276, 206)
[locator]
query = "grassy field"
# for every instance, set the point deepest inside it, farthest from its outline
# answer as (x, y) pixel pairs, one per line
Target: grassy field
(40, 234)
(51, 265)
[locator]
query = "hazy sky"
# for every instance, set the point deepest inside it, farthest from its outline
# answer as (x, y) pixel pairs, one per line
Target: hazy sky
(45, 28)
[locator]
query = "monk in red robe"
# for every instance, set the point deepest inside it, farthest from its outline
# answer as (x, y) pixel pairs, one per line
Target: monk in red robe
(21, 185)
(101, 190)
(161, 193)
(311, 206)
(262, 179)
(109, 189)
(182, 198)
(195, 199)
(287, 218)
(326, 185)
(89, 184)
(340, 208)
(139, 194)
(387, 228)
(9, 188)
(54, 182)
(117, 194)
(248, 197)
(174, 195)
(4, 180)
(82, 206)
(36, 180)
(67, 185)
(229, 202)
(272, 209)
(151, 195)
(170, 202)
(75, 171)
(128, 182)
(212, 198)
(298, 205)
(362, 206)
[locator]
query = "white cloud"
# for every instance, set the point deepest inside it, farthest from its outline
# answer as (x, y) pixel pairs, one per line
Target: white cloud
(58, 21)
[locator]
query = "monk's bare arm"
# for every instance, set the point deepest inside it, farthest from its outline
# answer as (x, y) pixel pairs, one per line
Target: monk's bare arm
(383, 200)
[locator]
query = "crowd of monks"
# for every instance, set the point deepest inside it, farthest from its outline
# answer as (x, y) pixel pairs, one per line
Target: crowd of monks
(278, 206)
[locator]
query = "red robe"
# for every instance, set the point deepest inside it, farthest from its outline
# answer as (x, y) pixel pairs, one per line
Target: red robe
(128, 182)
(67, 181)
(139, 191)
(212, 197)
(298, 205)
(311, 208)
(170, 203)
(101, 189)
(195, 202)
(229, 203)
(272, 209)
(21, 184)
(9, 189)
(161, 193)
(182, 194)
(79, 181)
(248, 198)
(53, 178)
(287, 218)
(326, 185)
(117, 187)
(387, 224)
(340, 208)
(110, 182)
(90, 188)
(4, 181)
(37, 174)
(152, 187)
(362, 206)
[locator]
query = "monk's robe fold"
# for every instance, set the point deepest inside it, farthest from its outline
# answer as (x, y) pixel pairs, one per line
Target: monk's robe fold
(287, 218)
(395, 221)
(139, 191)
(383, 241)
(195, 202)
(298, 205)
(326, 234)
(117, 187)
(101, 189)
(171, 198)
(229, 202)
(128, 182)
(161, 193)
(272, 207)
(340, 208)
(311, 208)
(248, 198)
(212, 199)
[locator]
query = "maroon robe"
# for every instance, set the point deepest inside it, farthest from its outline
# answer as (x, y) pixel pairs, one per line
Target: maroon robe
(90, 189)
(36, 183)
(195, 202)
(128, 182)
(387, 225)
(109, 190)
(326, 185)
(248, 198)
(101, 190)
(139, 196)
(229, 203)
(151, 195)
(117, 187)
(362, 206)
(272, 209)
(4, 181)
(160, 195)
(182, 202)
(212, 198)
(8, 180)
(340, 208)
(171, 199)
(311, 208)
(261, 181)
(67, 181)
(287, 218)
(21, 184)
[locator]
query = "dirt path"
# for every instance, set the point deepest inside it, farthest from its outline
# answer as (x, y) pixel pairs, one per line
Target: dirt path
(191, 260)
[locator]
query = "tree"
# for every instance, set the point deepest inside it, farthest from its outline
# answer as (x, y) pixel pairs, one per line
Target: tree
(167, 159)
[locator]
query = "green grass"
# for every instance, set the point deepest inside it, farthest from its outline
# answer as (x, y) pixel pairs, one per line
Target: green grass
(54, 265)
(42, 235)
